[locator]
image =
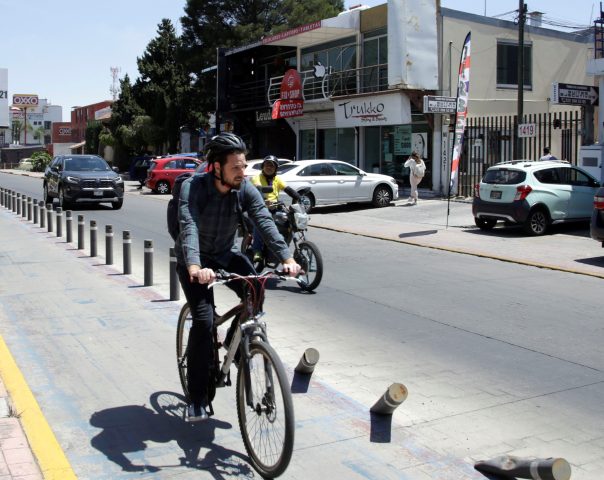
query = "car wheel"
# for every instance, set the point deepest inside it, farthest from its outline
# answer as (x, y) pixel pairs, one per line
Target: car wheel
(47, 197)
(162, 187)
(485, 224)
(64, 204)
(537, 222)
(307, 201)
(117, 205)
(382, 196)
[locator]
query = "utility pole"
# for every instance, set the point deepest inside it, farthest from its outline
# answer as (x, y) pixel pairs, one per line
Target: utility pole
(522, 9)
(114, 89)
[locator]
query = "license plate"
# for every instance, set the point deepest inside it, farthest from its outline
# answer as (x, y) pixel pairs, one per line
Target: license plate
(98, 193)
(496, 194)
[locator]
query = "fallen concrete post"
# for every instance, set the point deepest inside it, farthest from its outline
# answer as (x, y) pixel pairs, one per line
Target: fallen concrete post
(508, 466)
(392, 398)
(308, 361)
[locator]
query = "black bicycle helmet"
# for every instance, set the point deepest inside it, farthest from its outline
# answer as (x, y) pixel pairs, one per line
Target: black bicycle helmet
(221, 143)
(270, 159)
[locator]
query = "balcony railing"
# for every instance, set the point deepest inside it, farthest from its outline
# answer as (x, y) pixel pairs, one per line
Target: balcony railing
(335, 83)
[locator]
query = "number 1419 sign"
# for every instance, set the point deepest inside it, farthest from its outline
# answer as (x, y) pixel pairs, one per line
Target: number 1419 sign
(527, 130)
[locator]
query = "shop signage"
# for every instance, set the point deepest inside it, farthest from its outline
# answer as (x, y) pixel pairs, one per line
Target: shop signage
(290, 103)
(390, 109)
(264, 118)
(571, 94)
(293, 32)
(23, 100)
(64, 130)
(433, 104)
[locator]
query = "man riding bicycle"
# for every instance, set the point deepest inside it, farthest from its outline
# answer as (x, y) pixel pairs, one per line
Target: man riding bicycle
(209, 213)
(268, 178)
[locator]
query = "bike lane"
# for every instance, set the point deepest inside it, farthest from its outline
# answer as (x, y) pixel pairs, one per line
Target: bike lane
(97, 352)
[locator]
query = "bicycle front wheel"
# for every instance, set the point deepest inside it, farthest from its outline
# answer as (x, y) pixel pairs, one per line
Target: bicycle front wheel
(310, 259)
(185, 320)
(266, 418)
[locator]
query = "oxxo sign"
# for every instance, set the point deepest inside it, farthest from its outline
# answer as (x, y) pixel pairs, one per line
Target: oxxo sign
(64, 130)
(25, 100)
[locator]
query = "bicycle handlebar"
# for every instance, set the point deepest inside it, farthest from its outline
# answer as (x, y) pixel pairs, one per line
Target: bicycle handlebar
(223, 277)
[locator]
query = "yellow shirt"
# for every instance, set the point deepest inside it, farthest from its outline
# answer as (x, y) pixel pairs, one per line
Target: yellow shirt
(278, 185)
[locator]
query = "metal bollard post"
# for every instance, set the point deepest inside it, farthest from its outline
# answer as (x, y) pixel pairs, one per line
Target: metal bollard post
(68, 222)
(49, 216)
(93, 238)
(308, 361)
(392, 398)
(148, 262)
(13, 200)
(35, 217)
(127, 250)
(1, 196)
(81, 242)
(42, 215)
(174, 285)
(509, 466)
(18, 203)
(24, 205)
(28, 208)
(59, 215)
(108, 245)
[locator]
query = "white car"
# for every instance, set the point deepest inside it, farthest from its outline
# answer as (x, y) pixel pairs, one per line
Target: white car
(26, 164)
(334, 181)
(254, 166)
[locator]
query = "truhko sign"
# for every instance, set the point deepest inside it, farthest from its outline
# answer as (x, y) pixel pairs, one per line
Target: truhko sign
(22, 100)
(390, 109)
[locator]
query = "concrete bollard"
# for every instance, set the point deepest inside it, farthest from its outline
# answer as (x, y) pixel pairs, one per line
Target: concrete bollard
(1, 196)
(49, 217)
(392, 398)
(174, 285)
(148, 250)
(308, 361)
(93, 238)
(35, 211)
(14, 201)
(24, 206)
(535, 468)
(18, 203)
(127, 252)
(81, 242)
(108, 245)
(42, 215)
(59, 220)
(68, 224)
(29, 208)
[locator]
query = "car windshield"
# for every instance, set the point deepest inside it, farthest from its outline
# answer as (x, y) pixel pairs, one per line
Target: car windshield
(85, 164)
(504, 176)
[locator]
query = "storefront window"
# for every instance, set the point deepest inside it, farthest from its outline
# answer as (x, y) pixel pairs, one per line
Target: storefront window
(307, 144)
(331, 143)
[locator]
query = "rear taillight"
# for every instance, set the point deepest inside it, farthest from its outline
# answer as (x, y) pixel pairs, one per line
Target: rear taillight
(477, 190)
(599, 202)
(522, 191)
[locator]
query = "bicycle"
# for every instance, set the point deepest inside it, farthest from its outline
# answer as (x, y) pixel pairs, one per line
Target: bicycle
(265, 408)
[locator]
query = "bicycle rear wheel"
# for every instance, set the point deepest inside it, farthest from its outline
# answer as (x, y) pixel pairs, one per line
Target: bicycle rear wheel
(267, 428)
(310, 259)
(185, 320)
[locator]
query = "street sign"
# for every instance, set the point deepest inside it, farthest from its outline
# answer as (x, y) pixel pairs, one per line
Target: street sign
(434, 104)
(526, 130)
(570, 94)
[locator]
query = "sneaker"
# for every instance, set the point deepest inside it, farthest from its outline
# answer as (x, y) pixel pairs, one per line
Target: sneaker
(196, 413)
(257, 257)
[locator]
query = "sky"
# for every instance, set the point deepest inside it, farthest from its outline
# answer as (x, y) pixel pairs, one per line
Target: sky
(63, 51)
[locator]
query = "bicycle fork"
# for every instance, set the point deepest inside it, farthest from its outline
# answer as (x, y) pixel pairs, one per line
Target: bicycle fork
(266, 404)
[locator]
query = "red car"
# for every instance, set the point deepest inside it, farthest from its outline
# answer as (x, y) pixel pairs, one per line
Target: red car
(163, 171)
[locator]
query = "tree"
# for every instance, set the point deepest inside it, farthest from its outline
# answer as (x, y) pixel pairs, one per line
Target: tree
(40, 160)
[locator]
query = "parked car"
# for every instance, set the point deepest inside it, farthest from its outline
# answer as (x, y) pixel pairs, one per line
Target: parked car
(254, 166)
(82, 178)
(25, 164)
(534, 194)
(334, 181)
(163, 171)
(597, 217)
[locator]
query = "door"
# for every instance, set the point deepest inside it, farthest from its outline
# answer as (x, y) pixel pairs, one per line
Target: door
(323, 182)
(552, 191)
(353, 186)
(582, 189)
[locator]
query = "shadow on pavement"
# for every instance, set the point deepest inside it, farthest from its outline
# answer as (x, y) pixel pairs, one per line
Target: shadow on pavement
(380, 428)
(595, 261)
(417, 234)
(129, 428)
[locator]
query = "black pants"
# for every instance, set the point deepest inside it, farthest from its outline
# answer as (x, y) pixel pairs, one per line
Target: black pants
(200, 298)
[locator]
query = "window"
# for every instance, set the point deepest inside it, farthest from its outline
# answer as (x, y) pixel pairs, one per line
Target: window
(375, 61)
(503, 176)
(571, 176)
(507, 65)
(343, 169)
(549, 175)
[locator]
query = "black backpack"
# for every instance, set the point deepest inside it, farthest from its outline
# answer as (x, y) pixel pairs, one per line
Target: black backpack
(172, 210)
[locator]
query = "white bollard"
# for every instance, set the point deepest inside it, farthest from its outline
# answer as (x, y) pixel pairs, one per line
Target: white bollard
(308, 361)
(392, 398)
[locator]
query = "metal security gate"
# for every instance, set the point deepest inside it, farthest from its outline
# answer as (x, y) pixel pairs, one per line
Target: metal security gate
(490, 140)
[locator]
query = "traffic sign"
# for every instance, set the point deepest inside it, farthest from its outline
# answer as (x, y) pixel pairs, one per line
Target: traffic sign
(570, 94)
(434, 104)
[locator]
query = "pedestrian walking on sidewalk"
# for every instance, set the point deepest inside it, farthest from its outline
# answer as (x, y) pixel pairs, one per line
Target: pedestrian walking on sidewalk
(417, 170)
(547, 155)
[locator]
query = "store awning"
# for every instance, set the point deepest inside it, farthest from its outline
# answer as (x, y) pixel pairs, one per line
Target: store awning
(77, 145)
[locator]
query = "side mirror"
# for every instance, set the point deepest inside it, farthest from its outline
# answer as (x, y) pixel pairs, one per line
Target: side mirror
(115, 169)
(55, 168)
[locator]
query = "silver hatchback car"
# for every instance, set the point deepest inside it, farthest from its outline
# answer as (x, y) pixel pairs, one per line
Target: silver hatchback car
(534, 194)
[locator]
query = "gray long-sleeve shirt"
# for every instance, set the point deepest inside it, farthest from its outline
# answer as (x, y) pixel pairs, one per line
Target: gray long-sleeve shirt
(208, 231)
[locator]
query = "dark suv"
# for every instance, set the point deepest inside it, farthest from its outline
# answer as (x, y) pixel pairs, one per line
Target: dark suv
(82, 178)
